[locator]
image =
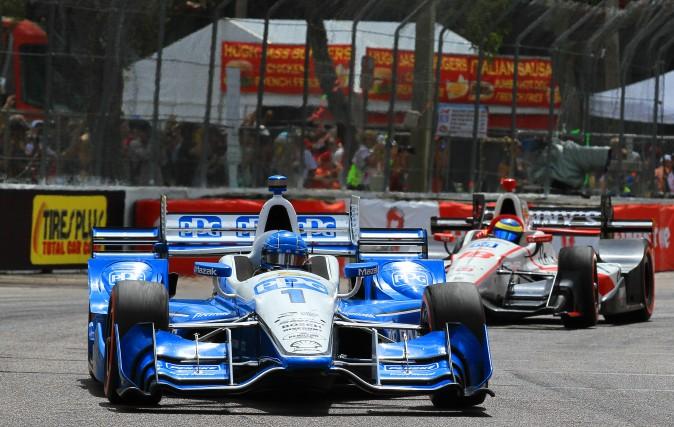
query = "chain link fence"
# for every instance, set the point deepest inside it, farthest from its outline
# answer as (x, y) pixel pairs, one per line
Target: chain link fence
(108, 96)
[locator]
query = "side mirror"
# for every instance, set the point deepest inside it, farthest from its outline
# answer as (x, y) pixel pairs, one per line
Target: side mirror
(444, 237)
(541, 238)
(358, 270)
(212, 269)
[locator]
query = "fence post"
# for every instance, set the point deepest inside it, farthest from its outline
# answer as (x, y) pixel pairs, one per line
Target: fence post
(653, 23)
(154, 137)
(49, 68)
(516, 61)
(203, 169)
(554, 53)
(392, 99)
(348, 143)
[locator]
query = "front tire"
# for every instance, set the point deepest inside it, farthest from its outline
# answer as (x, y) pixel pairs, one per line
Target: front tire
(578, 265)
(132, 302)
(453, 303)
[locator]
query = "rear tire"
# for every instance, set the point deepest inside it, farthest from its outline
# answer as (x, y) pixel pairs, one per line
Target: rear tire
(578, 264)
(132, 302)
(451, 303)
(647, 297)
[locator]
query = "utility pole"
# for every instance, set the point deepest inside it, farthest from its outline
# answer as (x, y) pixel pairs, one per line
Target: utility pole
(423, 91)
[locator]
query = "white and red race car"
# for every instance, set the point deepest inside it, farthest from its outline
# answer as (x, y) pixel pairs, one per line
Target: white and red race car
(615, 278)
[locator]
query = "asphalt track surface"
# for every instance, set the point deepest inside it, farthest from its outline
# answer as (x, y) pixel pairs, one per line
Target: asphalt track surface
(544, 374)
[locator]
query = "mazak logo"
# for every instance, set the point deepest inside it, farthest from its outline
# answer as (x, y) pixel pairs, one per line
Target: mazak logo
(246, 223)
(367, 271)
(201, 226)
(205, 271)
(410, 278)
(320, 224)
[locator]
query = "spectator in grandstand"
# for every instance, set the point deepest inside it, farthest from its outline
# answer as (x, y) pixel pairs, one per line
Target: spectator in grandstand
(309, 164)
(184, 155)
(662, 174)
(20, 149)
(78, 155)
(399, 166)
(286, 158)
(336, 149)
(140, 156)
(326, 173)
(170, 141)
(217, 158)
(358, 176)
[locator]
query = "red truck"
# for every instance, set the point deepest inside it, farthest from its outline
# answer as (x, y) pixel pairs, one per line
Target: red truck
(23, 45)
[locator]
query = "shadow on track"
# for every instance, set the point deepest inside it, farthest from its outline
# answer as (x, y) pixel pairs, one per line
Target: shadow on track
(340, 402)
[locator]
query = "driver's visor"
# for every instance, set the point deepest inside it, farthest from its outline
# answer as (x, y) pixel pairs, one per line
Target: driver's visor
(507, 235)
(285, 259)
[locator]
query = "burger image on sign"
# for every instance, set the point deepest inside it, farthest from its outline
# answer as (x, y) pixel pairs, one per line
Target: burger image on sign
(247, 72)
(457, 89)
(382, 81)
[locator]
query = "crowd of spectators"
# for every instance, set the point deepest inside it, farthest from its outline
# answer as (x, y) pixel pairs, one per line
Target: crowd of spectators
(311, 156)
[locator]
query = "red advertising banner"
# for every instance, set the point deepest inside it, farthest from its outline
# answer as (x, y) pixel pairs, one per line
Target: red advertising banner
(663, 223)
(458, 79)
(284, 69)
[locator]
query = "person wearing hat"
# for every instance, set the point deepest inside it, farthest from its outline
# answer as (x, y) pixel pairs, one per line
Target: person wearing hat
(663, 173)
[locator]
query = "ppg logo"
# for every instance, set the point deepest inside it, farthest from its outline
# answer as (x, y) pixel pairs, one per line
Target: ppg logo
(309, 223)
(200, 227)
(246, 223)
(126, 270)
(410, 278)
(116, 276)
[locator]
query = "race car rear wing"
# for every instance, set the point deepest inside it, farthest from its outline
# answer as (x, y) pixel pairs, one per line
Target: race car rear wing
(213, 234)
(552, 220)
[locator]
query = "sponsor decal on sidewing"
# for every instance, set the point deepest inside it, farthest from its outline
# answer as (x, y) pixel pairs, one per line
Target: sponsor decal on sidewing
(484, 245)
(290, 283)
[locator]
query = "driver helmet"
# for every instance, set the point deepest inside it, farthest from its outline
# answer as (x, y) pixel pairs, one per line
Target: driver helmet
(284, 250)
(508, 229)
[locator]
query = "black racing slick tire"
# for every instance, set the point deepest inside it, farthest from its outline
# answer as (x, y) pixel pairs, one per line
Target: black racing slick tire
(578, 270)
(453, 303)
(647, 296)
(132, 302)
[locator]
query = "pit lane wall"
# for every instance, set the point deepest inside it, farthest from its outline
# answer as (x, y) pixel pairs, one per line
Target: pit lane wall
(47, 227)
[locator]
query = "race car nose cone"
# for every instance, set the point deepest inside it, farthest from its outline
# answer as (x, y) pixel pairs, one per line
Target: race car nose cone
(509, 184)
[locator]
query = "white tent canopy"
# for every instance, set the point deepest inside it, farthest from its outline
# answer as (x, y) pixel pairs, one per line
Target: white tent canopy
(638, 101)
(185, 65)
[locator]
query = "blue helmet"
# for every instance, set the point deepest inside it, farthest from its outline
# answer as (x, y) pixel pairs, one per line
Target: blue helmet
(283, 250)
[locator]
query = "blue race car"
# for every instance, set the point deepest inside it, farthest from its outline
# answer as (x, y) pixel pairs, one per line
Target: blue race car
(279, 316)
